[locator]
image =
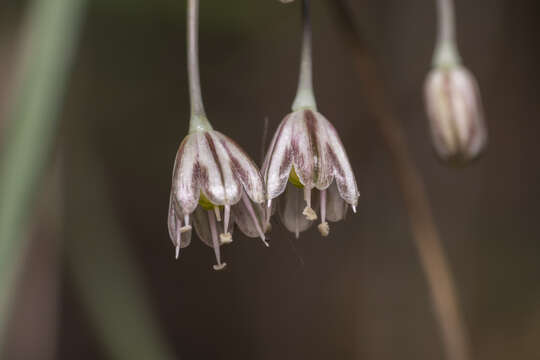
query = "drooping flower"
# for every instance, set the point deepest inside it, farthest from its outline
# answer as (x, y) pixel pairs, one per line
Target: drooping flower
(306, 154)
(455, 114)
(452, 97)
(215, 184)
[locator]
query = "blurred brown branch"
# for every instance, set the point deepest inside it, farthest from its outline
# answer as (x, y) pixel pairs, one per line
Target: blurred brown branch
(425, 233)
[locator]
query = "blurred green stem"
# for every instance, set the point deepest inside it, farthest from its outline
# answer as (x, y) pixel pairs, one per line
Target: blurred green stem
(446, 53)
(104, 269)
(425, 233)
(51, 31)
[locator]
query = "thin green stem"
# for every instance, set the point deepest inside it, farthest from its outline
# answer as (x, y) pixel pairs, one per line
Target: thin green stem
(198, 120)
(304, 95)
(51, 33)
(446, 53)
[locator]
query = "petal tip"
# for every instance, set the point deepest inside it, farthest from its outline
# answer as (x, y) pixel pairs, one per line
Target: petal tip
(219, 267)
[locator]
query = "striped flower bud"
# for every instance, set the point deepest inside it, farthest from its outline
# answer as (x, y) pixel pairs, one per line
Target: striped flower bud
(455, 114)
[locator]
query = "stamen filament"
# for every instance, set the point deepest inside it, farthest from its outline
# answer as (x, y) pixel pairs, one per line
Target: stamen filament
(215, 241)
(218, 214)
(268, 212)
(187, 226)
(308, 211)
(324, 228)
(226, 237)
(227, 217)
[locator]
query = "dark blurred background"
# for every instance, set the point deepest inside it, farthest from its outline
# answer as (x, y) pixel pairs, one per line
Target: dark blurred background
(358, 294)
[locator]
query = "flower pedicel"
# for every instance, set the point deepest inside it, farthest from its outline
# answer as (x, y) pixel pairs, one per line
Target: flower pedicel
(214, 184)
(306, 153)
(452, 98)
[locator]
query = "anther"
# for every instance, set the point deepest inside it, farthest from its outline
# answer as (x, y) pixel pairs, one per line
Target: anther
(324, 228)
(308, 212)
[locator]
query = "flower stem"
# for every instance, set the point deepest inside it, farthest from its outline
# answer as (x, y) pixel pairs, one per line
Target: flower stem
(446, 53)
(304, 94)
(198, 120)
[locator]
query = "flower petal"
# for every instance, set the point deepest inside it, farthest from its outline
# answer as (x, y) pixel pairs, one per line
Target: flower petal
(218, 182)
(346, 183)
(202, 226)
(310, 158)
(303, 149)
(250, 218)
(317, 127)
(290, 210)
(455, 113)
(178, 237)
(244, 169)
(185, 186)
(278, 162)
(336, 208)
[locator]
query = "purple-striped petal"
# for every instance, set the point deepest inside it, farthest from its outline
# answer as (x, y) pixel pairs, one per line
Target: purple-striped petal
(455, 113)
(244, 169)
(185, 186)
(343, 173)
(278, 163)
(316, 124)
(303, 147)
(218, 182)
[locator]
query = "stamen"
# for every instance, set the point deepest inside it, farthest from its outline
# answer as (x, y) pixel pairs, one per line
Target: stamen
(213, 230)
(324, 228)
(218, 214)
(186, 227)
(226, 237)
(255, 221)
(178, 240)
(268, 212)
(308, 212)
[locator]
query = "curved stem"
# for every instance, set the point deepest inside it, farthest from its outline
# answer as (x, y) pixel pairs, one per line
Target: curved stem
(446, 53)
(198, 120)
(424, 230)
(304, 94)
